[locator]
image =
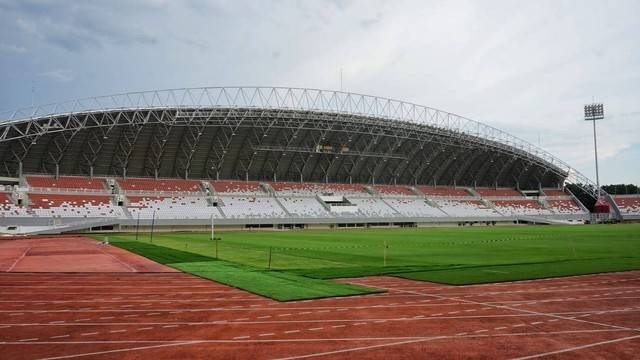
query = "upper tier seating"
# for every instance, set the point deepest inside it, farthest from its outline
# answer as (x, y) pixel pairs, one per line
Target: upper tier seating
(238, 207)
(58, 205)
(373, 207)
(443, 191)
(504, 192)
(520, 207)
(9, 209)
(160, 185)
(395, 190)
(171, 207)
(312, 189)
(66, 182)
(415, 208)
(628, 204)
(466, 208)
(564, 207)
(304, 206)
(237, 187)
(555, 192)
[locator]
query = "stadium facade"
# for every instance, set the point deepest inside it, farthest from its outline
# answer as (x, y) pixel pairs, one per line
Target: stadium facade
(268, 135)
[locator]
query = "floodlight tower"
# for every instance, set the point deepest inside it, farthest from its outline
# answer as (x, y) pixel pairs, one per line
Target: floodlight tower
(593, 112)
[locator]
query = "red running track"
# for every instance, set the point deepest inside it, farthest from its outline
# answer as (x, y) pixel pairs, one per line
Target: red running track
(135, 315)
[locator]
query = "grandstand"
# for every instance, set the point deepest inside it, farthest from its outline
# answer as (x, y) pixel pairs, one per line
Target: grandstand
(272, 157)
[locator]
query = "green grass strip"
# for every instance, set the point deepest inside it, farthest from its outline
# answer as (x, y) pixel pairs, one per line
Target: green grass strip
(276, 285)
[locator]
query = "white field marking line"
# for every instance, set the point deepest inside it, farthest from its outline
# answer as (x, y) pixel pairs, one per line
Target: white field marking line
(89, 334)
(377, 320)
(18, 259)
(578, 347)
(37, 302)
(117, 331)
(119, 350)
(131, 268)
(218, 309)
(359, 348)
(291, 331)
(32, 339)
(266, 334)
(59, 336)
(544, 333)
(523, 310)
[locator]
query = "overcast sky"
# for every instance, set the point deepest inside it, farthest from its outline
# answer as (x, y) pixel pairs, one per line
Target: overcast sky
(527, 67)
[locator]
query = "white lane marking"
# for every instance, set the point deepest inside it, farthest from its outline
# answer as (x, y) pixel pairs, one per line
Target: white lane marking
(241, 337)
(359, 348)
(145, 328)
(18, 259)
(32, 339)
(338, 326)
(85, 319)
(315, 329)
(578, 347)
(264, 317)
(59, 336)
(500, 328)
(267, 334)
(122, 350)
(89, 334)
(117, 331)
(284, 315)
(170, 326)
(291, 331)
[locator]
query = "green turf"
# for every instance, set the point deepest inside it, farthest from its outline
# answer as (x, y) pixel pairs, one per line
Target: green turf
(271, 283)
(447, 255)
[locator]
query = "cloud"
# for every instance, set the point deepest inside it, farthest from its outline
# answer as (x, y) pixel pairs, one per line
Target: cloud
(59, 75)
(12, 49)
(79, 28)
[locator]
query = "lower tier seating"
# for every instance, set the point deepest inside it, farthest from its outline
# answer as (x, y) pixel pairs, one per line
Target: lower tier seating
(520, 207)
(415, 208)
(57, 205)
(567, 206)
(304, 207)
(373, 207)
(466, 208)
(628, 205)
(237, 207)
(9, 209)
(171, 207)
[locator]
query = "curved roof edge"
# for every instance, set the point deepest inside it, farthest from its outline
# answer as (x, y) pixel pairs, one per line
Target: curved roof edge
(301, 99)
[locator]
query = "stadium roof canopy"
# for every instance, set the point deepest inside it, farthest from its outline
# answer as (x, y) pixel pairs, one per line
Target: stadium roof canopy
(266, 133)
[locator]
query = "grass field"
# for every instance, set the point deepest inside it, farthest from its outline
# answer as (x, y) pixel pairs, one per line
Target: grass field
(298, 264)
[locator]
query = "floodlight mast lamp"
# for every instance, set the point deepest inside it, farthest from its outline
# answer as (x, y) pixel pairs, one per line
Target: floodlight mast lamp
(593, 112)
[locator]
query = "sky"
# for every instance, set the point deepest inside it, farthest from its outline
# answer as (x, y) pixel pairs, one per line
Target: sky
(526, 67)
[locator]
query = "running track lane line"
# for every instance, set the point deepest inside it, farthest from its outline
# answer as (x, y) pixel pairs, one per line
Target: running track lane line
(19, 259)
(121, 350)
(361, 348)
(511, 308)
(578, 347)
(131, 268)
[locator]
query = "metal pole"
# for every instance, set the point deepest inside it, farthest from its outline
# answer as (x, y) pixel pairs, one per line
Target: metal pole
(153, 222)
(595, 147)
(385, 253)
(138, 226)
(212, 234)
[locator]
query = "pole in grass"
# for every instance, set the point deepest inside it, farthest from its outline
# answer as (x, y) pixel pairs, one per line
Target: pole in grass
(153, 222)
(212, 231)
(138, 226)
(385, 252)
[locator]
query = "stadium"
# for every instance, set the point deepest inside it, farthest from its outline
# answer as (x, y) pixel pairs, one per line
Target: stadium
(291, 223)
(272, 157)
